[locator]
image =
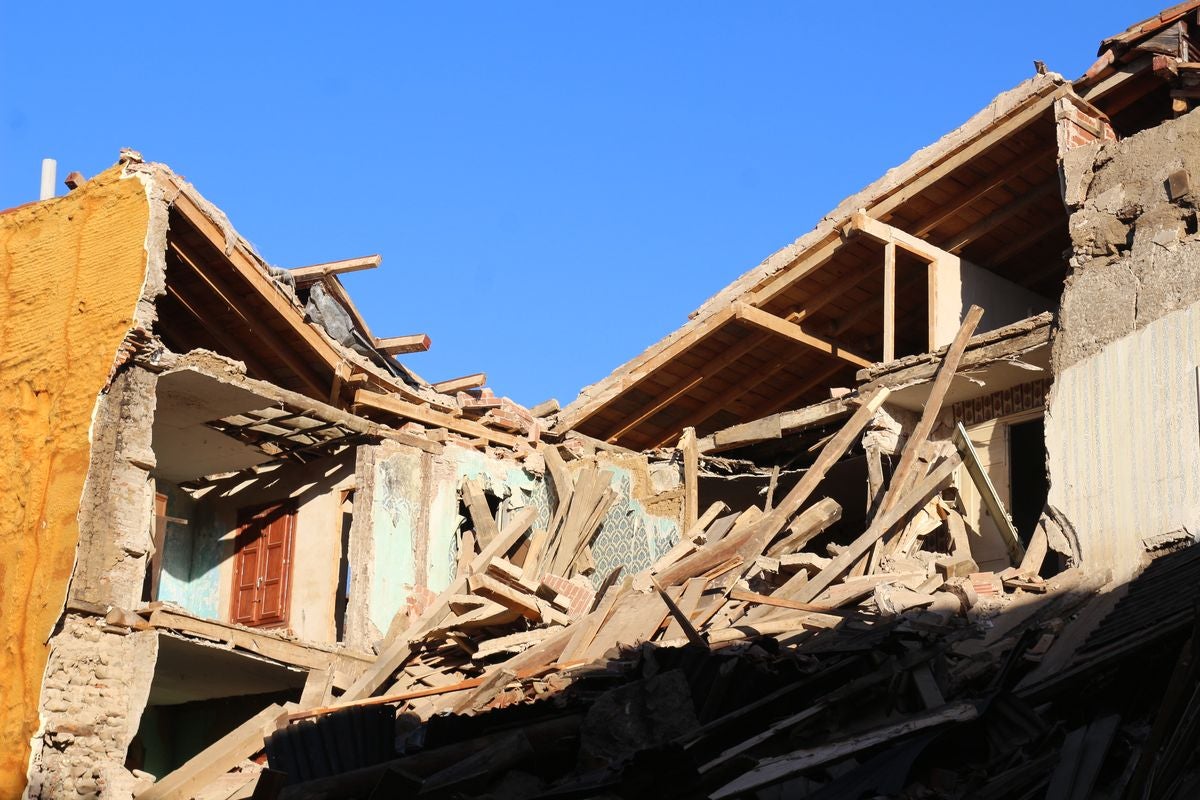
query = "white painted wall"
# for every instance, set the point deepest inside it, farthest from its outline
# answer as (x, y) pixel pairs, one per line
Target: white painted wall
(1123, 439)
(959, 284)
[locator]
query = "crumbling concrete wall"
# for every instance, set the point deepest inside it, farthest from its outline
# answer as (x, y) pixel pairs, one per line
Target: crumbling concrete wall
(72, 272)
(1121, 427)
(97, 683)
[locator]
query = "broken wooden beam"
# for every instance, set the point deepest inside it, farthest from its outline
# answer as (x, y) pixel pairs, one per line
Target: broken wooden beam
(452, 385)
(399, 345)
(315, 272)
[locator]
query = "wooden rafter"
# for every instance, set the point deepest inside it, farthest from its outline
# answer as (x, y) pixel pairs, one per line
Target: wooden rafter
(236, 301)
(1025, 241)
(791, 330)
(220, 336)
(831, 292)
(819, 254)
(973, 193)
(697, 332)
(774, 405)
(723, 401)
(710, 369)
(998, 217)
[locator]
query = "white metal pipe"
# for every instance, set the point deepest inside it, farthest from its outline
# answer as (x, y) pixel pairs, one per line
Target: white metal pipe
(49, 170)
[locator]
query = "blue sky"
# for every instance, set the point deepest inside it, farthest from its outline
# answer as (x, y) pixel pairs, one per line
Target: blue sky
(553, 186)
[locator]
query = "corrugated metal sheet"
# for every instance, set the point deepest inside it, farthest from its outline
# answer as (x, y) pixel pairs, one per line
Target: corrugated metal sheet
(1123, 438)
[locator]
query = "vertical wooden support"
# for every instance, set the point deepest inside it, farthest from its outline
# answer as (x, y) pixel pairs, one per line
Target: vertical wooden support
(889, 301)
(691, 478)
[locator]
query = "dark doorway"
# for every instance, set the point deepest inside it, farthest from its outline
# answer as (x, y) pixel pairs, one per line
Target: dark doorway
(1027, 474)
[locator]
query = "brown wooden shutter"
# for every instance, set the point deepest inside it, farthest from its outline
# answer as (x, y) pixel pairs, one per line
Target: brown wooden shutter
(262, 567)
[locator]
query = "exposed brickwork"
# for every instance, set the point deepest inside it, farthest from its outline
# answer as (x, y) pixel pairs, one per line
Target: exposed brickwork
(579, 593)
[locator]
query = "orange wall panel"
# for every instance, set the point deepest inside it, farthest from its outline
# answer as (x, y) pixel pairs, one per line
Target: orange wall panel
(71, 273)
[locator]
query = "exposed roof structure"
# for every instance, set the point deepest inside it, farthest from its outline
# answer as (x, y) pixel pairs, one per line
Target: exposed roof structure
(813, 312)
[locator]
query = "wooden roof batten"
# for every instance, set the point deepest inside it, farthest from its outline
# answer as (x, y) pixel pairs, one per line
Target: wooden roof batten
(743, 302)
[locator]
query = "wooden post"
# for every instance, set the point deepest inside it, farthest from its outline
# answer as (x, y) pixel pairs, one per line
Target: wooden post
(889, 301)
(691, 478)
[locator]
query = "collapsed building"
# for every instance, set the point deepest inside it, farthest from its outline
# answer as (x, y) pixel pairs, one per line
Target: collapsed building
(906, 511)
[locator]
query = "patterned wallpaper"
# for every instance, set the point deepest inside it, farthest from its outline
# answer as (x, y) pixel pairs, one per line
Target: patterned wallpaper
(1024, 397)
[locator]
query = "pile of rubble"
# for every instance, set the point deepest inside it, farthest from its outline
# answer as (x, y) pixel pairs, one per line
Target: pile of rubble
(746, 663)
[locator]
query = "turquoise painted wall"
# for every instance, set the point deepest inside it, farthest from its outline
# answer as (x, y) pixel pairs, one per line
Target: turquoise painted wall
(191, 555)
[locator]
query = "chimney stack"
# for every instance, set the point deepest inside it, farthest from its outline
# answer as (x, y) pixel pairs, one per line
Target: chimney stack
(49, 169)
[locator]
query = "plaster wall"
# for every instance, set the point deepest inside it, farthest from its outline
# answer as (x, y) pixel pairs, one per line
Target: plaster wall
(198, 558)
(71, 275)
(960, 284)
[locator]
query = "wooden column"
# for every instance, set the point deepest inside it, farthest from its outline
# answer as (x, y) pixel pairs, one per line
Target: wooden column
(889, 301)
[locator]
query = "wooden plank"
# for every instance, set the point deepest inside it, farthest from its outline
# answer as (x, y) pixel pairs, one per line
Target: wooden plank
(633, 620)
(1035, 554)
(437, 419)
(811, 523)
(398, 650)
(400, 345)
(987, 491)
(689, 601)
(776, 769)
(545, 408)
(889, 301)
(791, 330)
(564, 484)
(533, 556)
(760, 533)
(691, 478)
(218, 758)
(776, 426)
(472, 381)
(681, 619)
(906, 471)
(484, 524)
(780, 602)
(506, 595)
(315, 272)
(882, 524)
